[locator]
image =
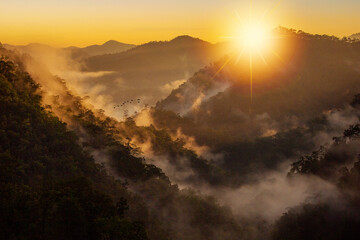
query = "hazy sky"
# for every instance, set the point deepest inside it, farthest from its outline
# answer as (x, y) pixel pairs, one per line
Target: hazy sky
(84, 22)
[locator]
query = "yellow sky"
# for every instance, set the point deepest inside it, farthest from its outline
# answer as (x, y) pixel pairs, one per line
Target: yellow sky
(85, 22)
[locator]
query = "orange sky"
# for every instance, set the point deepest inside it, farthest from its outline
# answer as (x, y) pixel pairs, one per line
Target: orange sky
(85, 22)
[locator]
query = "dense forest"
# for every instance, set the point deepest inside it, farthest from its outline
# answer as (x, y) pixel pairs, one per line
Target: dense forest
(335, 215)
(50, 187)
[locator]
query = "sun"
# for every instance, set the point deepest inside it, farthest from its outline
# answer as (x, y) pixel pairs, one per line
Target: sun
(253, 37)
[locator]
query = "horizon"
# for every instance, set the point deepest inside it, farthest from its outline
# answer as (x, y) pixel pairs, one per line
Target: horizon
(65, 23)
(159, 40)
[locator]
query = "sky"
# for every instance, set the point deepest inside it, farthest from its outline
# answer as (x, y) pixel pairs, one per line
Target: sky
(85, 22)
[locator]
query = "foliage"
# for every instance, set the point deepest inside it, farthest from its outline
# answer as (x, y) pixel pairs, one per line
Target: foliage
(50, 187)
(337, 216)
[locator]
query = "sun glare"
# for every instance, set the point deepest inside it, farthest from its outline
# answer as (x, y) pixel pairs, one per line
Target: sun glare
(253, 37)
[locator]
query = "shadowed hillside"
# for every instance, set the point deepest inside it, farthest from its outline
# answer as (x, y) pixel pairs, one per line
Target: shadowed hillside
(293, 97)
(333, 215)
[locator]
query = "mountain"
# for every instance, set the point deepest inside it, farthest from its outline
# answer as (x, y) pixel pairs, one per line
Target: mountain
(124, 71)
(299, 80)
(156, 54)
(150, 71)
(355, 36)
(64, 60)
(32, 47)
(294, 96)
(55, 59)
(110, 47)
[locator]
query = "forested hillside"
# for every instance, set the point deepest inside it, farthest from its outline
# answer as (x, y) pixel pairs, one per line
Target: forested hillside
(296, 97)
(50, 187)
(53, 189)
(334, 215)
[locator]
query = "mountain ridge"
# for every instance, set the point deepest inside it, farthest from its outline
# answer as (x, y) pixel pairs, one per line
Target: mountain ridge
(355, 36)
(110, 46)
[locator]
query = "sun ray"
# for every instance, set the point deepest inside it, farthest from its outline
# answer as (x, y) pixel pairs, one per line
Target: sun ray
(239, 17)
(230, 37)
(251, 81)
(251, 8)
(261, 56)
(253, 38)
(270, 10)
(221, 68)
(277, 55)
(240, 55)
(251, 65)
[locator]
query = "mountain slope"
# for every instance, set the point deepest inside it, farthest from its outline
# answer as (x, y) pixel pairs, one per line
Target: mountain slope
(50, 187)
(302, 83)
(110, 47)
(150, 71)
(153, 54)
(355, 36)
(338, 164)
(294, 98)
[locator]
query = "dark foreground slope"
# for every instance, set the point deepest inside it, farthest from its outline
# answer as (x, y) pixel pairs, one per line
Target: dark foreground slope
(50, 187)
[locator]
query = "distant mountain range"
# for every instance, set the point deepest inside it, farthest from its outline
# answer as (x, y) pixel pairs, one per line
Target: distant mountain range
(148, 71)
(30, 48)
(178, 51)
(109, 47)
(153, 69)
